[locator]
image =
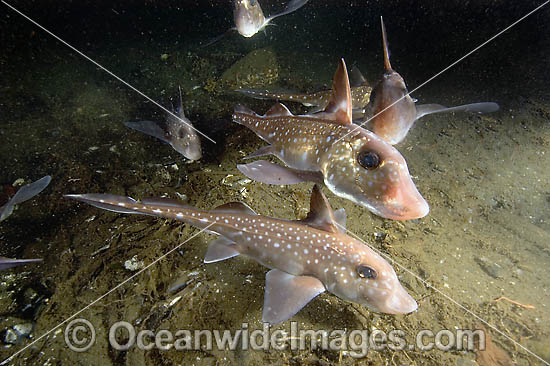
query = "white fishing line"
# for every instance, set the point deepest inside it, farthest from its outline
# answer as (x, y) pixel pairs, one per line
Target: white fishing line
(429, 285)
(105, 69)
(447, 68)
(104, 295)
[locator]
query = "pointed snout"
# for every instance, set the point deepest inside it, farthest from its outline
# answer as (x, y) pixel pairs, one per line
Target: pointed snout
(400, 303)
(404, 202)
(193, 154)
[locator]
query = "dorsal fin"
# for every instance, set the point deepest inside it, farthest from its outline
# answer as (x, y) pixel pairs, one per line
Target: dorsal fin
(278, 109)
(387, 65)
(339, 106)
(164, 202)
(235, 207)
(180, 106)
(320, 214)
(239, 108)
(356, 78)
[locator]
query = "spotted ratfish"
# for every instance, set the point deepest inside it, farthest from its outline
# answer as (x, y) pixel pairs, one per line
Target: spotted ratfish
(306, 257)
(178, 132)
(327, 148)
(360, 95)
(250, 19)
(392, 112)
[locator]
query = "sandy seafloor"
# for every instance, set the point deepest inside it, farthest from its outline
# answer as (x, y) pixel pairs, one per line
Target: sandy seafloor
(486, 177)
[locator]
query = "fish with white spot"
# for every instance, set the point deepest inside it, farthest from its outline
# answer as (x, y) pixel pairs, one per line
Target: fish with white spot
(392, 112)
(178, 132)
(360, 95)
(328, 148)
(250, 19)
(306, 257)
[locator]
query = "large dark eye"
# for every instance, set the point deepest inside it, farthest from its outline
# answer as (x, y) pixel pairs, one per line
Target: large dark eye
(366, 272)
(252, 2)
(368, 160)
(182, 133)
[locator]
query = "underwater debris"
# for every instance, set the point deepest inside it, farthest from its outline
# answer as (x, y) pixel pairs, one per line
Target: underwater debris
(491, 355)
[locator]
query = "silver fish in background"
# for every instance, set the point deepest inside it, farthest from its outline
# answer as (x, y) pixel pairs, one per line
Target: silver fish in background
(360, 95)
(177, 132)
(6, 263)
(393, 123)
(249, 17)
(327, 147)
(306, 257)
(23, 194)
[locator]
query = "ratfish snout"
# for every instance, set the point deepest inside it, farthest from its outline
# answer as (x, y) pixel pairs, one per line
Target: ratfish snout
(193, 152)
(404, 202)
(399, 303)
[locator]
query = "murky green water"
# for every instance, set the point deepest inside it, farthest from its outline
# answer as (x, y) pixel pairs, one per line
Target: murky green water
(486, 177)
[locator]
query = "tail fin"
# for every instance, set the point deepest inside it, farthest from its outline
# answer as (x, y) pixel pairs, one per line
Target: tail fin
(107, 202)
(485, 107)
(6, 263)
(293, 5)
(214, 40)
(239, 108)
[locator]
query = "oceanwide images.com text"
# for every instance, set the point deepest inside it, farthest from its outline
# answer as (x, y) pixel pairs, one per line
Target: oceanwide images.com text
(80, 336)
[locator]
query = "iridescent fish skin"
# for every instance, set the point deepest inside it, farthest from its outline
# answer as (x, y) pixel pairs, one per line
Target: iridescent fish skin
(307, 257)
(329, 144)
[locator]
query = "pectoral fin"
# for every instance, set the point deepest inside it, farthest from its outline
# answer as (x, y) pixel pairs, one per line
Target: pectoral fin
(286, 294)
(267, 172)
(219, 250)
(262, 151)
(149, 128)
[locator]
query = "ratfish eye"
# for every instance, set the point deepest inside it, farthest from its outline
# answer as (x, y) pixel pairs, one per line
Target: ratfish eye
(182, 133)
(368, 160)
(252, 2)
(366, 272)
